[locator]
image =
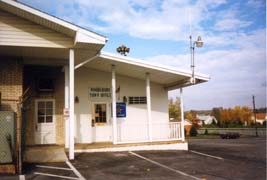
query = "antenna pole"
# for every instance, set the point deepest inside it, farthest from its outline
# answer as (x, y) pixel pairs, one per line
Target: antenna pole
(254, 112)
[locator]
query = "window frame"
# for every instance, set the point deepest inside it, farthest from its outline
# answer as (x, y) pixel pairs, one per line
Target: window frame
(37, 101)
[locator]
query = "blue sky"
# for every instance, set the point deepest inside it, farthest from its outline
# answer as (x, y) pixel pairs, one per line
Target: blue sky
(234, 35)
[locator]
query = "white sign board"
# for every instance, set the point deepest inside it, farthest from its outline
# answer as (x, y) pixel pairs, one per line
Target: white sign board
(99, 92)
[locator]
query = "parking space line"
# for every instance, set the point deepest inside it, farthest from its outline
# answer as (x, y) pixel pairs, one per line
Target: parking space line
(203, 154)
(53, 175)
(53, 167)
(21, 177)
(164, 166)
(76, 172)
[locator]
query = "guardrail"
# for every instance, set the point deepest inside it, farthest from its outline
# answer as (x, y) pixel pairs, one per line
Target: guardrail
(242, 131)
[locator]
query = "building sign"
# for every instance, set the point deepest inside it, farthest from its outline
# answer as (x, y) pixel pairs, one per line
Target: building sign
(99, 92)
(121, 110)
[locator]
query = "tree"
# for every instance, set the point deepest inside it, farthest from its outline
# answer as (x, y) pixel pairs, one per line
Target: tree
(174, 108)
(216, 112)
(190, 115)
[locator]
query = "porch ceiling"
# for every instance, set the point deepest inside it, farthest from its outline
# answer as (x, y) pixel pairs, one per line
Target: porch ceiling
(170, 78)
(45, 56)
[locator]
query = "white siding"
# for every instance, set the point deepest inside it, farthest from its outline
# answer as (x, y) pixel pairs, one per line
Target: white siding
(15, 31)
(136, 114)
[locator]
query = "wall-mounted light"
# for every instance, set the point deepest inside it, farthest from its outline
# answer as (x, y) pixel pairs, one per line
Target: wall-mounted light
(76, 100)
(125, 99)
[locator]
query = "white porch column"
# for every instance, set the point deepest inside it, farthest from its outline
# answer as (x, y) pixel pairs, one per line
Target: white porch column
(71, 104)
(66, 105)
(182, 113)
(114, 114)
(148, 99)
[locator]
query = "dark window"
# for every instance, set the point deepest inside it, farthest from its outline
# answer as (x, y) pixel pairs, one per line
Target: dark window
(137, 100)
(46, 84)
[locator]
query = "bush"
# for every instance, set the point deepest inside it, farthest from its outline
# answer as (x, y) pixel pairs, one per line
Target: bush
(264, 123)
(193, 131)
(206, 132)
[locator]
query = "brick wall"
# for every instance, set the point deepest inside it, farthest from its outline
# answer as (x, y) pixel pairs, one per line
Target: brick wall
(10, 82)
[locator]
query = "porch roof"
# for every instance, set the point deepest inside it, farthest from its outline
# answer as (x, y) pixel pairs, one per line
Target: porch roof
(170, 78)
(82, 37)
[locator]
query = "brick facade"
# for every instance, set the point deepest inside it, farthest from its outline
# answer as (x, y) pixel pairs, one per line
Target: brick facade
(10, 83)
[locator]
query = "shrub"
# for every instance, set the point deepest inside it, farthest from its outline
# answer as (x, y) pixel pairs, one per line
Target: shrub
(206, 132)
(193, 131)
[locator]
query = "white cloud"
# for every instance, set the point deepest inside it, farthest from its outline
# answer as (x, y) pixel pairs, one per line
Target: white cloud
(231, 24)
(236, 74)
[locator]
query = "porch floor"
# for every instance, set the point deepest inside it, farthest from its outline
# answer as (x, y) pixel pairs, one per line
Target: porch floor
(111, 145)
(57, 153)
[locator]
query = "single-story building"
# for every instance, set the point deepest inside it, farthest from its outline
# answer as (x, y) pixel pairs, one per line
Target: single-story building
(65, 90)
(205, 119)
(260, 117)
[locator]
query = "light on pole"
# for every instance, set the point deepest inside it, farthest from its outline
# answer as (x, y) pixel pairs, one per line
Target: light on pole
(198, 43)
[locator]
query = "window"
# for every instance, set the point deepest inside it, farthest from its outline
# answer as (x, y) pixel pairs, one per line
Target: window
(100, 113)
(137, 100)
(46, 84)
(45, 111)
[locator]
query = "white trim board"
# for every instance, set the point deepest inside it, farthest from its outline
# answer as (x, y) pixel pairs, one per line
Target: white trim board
(178, 146)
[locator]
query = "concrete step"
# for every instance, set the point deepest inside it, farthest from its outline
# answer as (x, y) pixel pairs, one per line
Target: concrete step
(44, 155)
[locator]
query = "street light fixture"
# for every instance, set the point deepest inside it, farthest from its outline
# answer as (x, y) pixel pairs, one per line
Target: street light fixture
(123, 50)
(198, 43)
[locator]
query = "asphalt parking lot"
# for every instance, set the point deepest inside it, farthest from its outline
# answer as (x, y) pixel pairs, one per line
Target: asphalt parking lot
(210, 159)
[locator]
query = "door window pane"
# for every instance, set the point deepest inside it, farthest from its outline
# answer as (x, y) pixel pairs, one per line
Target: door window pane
(45, 112)
(41, 119)
(49, 119)
(100, 113)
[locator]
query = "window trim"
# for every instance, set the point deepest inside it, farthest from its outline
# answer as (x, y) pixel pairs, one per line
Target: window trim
(53, 110)
(107, 113)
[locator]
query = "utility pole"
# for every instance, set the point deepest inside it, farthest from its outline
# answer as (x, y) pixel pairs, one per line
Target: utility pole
(254, 111)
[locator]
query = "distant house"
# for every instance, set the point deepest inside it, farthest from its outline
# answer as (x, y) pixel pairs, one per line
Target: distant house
(205, 119)
(261, 117)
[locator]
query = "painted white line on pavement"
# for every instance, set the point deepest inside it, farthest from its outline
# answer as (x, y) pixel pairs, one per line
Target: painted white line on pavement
(164, 166)
(53, 175)
(75, 171)
(21, 177)
(203, 154)
(53, 167)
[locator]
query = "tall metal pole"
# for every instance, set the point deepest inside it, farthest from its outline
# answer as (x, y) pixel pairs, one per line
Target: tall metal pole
(254, 111)
(192, 48)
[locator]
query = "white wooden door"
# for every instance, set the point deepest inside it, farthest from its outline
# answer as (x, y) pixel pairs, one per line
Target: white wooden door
(102, 129)
(45, 121)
